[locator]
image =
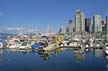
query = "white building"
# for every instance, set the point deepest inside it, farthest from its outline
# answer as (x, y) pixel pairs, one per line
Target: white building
(79, 21)
(97, 23)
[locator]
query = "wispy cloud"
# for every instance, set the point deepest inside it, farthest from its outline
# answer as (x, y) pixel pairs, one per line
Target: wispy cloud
(16, 29)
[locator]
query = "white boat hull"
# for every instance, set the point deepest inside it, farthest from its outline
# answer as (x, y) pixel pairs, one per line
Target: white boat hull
(13, 46)
(1, 45)
(74, 44)
(106, 50)
(50, 47)
(24, 47)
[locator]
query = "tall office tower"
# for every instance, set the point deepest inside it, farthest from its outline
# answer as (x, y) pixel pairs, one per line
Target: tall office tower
(104, 27)
(88, 24)
(67, 30)
(97, 23)
(70, 26)
(60, 30)
(107, 24)
(79, 21)
(107, 28)
(91, 26)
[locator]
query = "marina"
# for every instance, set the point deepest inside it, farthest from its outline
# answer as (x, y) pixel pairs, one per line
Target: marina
(50, 42)
(53, 52)
(53, 35)
(75, 51)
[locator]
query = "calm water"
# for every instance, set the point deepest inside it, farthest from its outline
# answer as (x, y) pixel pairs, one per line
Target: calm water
(61, 59)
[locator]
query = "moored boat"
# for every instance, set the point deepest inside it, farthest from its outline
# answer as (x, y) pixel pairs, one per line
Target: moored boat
(14, 46)
(50, 47)
(36, 45)
(106, 48)
(74, 43)
(1, 45)
(25, 45)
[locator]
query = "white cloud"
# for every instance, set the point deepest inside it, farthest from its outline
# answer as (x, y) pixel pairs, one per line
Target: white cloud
(19, 29)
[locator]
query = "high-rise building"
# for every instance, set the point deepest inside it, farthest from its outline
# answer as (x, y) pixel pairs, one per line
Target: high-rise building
(104, 27)
(70, 26)
(107, 28)
(91, 26)
(67, 30)
(88, 25)
(79, 21)
(97, 23)
(107, 24)
(62, 30)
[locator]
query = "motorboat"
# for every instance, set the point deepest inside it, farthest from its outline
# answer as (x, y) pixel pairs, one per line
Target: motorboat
(106, 48)
(25, 45)
(15, 45)
(50, 47)
(74, 43)
(1, 45)
(36, 45)
(11, 44)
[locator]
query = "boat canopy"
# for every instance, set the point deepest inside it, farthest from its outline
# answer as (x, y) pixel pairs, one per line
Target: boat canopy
(36, 45)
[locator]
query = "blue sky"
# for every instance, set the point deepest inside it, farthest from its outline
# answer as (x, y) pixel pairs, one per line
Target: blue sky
(41, 13)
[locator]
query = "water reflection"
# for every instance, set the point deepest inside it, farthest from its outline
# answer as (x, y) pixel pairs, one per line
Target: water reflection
(44, 55)
(64, 57)
(106, 60)
(58, 50)
(97, 52)
(78, 54)
(1, 52)
(18, 51)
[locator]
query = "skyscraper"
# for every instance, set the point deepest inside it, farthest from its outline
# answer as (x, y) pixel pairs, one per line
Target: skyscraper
(88, 24)
(70, 26)
(67, 30)
(97, 23)
(104, 27)
(107, 28)
(79, 21)
(62, 30)
(107, 24)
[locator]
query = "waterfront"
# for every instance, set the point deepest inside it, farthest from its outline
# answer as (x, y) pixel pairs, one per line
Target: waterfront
(61, 59)
(54, 35)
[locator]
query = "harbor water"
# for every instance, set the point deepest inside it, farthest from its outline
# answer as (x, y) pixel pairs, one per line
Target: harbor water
(62, 59)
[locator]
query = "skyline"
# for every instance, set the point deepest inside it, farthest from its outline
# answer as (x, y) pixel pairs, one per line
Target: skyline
(39, 13)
